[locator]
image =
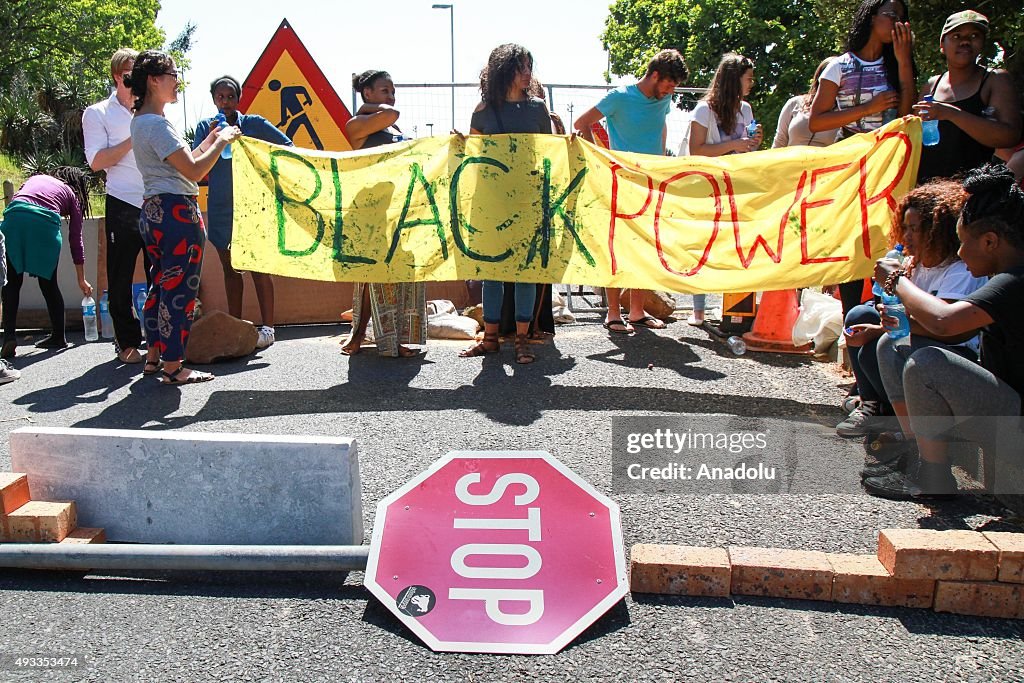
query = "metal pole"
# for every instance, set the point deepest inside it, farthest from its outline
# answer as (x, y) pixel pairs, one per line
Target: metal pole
(280, 558)
(451, 10)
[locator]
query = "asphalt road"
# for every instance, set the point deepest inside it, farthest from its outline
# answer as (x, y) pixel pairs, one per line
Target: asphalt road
(244, 627)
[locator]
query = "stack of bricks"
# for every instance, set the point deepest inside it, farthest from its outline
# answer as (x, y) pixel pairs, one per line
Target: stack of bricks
(963, 572)
(23, 520)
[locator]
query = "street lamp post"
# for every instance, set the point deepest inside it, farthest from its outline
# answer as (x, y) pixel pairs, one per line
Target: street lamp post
(451, 15)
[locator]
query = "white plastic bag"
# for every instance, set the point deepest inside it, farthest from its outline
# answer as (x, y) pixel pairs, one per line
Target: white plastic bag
(820, 320)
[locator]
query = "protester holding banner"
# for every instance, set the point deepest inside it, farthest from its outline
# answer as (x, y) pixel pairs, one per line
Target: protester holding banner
(171, 224)
(868, 86)
(636, 123)
(226, 92)
(795, 116)
(398, 309)
(948, 394)
(926, 227)
(106, 128)
(719, 126)
(507, 107)
(31, 228)
(978, 109)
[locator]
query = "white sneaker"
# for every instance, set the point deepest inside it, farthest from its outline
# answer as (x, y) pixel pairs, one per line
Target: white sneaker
(8, 373)
(266, 337)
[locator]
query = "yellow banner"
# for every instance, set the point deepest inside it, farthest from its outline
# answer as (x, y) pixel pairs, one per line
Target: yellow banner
(544, 208)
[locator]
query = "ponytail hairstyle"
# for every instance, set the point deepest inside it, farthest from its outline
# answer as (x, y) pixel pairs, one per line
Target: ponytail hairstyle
(726, 90)
(995, 204)
(229, 81)
(367, 79)
(78, 181)
(148, 63)
(815, 82)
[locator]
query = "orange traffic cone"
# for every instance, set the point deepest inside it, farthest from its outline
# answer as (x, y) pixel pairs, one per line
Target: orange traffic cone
(773, 326)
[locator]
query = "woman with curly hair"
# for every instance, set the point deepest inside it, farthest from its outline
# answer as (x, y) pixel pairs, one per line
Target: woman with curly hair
(398, 309)
(171, 225)
(926, 227)
(947, 393)
(869, 85)
(31, 227)
(507, 107)
(718, 126)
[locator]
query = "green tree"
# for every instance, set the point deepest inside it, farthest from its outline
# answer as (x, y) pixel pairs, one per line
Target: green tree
(72, 40)
(785, 38)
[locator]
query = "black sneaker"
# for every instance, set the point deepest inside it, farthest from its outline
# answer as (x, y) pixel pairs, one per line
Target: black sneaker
(894, 460)
(859, 421)
(900, 486)
(892, 486)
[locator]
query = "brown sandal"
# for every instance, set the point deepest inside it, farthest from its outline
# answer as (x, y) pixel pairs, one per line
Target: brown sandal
(489, 344)
(524, 355)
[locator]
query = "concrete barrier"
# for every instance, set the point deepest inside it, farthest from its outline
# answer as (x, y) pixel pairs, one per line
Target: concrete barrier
(196, 488)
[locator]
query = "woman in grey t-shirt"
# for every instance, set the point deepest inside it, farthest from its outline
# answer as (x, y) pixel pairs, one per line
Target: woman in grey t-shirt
(171, 224)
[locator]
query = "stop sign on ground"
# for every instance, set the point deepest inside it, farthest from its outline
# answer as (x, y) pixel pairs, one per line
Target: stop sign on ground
(505, 552)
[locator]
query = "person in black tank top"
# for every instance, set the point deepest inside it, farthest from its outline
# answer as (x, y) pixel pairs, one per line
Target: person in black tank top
(398, 309)
(977, 109)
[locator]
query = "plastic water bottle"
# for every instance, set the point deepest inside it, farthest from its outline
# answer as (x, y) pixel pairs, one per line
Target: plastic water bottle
(736, 345)
(876, 288)
(140, 303)
(222, 122)
(752, 128)
(895, 309)
(929, 129)
(89, 319)
(106, 322)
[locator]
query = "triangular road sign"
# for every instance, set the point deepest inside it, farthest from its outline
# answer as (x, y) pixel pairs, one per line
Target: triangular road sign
(288, 89)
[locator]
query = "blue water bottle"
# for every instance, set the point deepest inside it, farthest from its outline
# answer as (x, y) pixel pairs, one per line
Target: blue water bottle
(876, 288)
(929, 129)
(752, 128)
(895, 309)
(222, 122)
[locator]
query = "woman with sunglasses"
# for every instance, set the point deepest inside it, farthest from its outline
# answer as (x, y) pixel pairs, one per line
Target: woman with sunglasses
(171, 225)
(868, 86)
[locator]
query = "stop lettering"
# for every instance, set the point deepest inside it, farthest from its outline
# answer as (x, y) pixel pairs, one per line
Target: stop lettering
(497, 552)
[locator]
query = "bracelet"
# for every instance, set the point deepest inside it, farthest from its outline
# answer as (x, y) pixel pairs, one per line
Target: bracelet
(892, 280)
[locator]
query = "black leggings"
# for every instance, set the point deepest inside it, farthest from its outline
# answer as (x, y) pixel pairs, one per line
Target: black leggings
(11, 298)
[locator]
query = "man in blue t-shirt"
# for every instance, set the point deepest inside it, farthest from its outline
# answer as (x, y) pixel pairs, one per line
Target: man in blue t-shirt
(636, 123)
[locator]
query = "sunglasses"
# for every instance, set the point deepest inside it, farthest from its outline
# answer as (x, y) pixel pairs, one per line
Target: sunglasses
(126, 75)
(889, 14)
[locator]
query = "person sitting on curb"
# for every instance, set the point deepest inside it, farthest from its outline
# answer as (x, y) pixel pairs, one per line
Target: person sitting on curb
(926, 227)
(945, 390)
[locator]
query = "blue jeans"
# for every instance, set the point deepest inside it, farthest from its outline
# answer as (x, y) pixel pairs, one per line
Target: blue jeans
(699, 301)
(864, 359)
(494, 291)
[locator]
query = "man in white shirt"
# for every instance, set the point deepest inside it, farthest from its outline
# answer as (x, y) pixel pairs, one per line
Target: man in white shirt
(108, 147)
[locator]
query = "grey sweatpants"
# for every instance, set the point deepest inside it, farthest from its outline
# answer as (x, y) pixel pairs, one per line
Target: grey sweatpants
(893, 357)
(951, 398)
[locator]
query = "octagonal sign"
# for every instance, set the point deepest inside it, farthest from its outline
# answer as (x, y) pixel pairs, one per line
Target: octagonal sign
(495, 551)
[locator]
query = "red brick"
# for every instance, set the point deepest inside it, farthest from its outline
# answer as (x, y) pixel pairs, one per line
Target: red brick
(37, 521)
(781, 573)
(941, 555)
(86, 535)
(13, 491)
(862, 580)
(1011, 555)
(679, 570)
(980, 599)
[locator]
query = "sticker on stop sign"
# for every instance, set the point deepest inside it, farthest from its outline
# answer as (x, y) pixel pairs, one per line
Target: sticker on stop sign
(497, 551)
